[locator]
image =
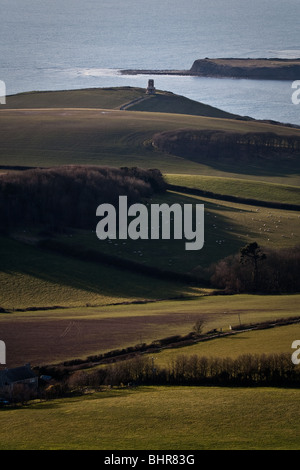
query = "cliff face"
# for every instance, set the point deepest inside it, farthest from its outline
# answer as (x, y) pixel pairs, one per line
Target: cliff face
(261, 69)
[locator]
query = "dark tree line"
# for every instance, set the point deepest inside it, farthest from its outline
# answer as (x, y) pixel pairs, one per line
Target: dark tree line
(254, 269)
(263, 370)
(245, 370)
(68, 196)
(217, 144)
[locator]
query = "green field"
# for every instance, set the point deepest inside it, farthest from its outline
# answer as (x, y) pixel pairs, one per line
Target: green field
(158, 418)
(55, 307)
(257, 190)
(164, 102)
(31, 277)
(49, 137)
(114, 98)
(104, 98)
(274, 341)
(228, 227)
(81, 127)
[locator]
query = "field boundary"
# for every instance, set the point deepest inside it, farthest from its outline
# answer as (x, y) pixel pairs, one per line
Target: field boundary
(229, 198)
(170, 343)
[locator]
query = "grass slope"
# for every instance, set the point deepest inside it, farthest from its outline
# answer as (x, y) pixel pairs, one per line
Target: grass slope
(227, 227)
(258, 190)
(82, 128)
(110, 98)
(104, 98)
(31, 277)
(160, 418)
(166, 102)
(46, 137)
(272, 341)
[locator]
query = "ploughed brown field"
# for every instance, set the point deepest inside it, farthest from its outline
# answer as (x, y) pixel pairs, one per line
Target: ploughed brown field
(53, 341)
(53, 336)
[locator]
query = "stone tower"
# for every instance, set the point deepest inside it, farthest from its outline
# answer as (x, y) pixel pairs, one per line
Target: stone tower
(150, 89)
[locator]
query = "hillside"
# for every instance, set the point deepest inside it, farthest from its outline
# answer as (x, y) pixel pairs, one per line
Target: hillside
(39, 278)
(74, 269)
(237, 187)
(218, 147)
(32, 137)
(165, 102)
(104, 98)
(114, 98)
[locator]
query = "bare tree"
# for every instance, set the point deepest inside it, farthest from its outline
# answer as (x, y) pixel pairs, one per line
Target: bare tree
(198, 327)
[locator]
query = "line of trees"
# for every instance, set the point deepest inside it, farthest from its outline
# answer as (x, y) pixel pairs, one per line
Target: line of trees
(245, 370)
(263, 370)
(254, 269)
(217, 144)
(68, 196)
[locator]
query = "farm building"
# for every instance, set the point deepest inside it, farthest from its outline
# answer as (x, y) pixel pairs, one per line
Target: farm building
(11, 379)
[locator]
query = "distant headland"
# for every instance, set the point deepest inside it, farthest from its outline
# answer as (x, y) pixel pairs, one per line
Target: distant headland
(258, 69)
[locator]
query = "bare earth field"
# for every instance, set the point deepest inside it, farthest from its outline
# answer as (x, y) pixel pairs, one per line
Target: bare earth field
(51, 341)
(56, 335)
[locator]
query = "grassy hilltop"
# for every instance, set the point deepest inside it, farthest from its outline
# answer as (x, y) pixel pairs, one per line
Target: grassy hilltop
(114, 98)
(65, 295)
(55, 128)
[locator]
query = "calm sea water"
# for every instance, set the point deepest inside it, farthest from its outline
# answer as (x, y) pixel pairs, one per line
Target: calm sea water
(69, 44)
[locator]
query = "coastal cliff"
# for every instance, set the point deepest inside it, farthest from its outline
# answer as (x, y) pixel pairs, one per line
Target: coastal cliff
(259, 69)
(262, 69)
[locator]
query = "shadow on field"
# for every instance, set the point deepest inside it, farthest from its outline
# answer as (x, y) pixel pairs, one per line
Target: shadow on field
(262, 153)
(223, 236)
(18, 258)
(258, 167)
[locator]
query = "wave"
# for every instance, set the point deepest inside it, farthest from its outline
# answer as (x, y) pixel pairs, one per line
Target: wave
(286, 54)
(94, 72)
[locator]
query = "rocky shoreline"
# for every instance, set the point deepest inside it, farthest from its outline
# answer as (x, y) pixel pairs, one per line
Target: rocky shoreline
(257, 69)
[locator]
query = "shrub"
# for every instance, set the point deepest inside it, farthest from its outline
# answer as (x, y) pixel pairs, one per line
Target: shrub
(278, 273)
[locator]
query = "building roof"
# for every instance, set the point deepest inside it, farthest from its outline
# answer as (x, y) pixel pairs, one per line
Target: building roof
(17, 374)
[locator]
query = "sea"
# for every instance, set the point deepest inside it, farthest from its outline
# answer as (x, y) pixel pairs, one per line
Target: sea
(75, 44)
